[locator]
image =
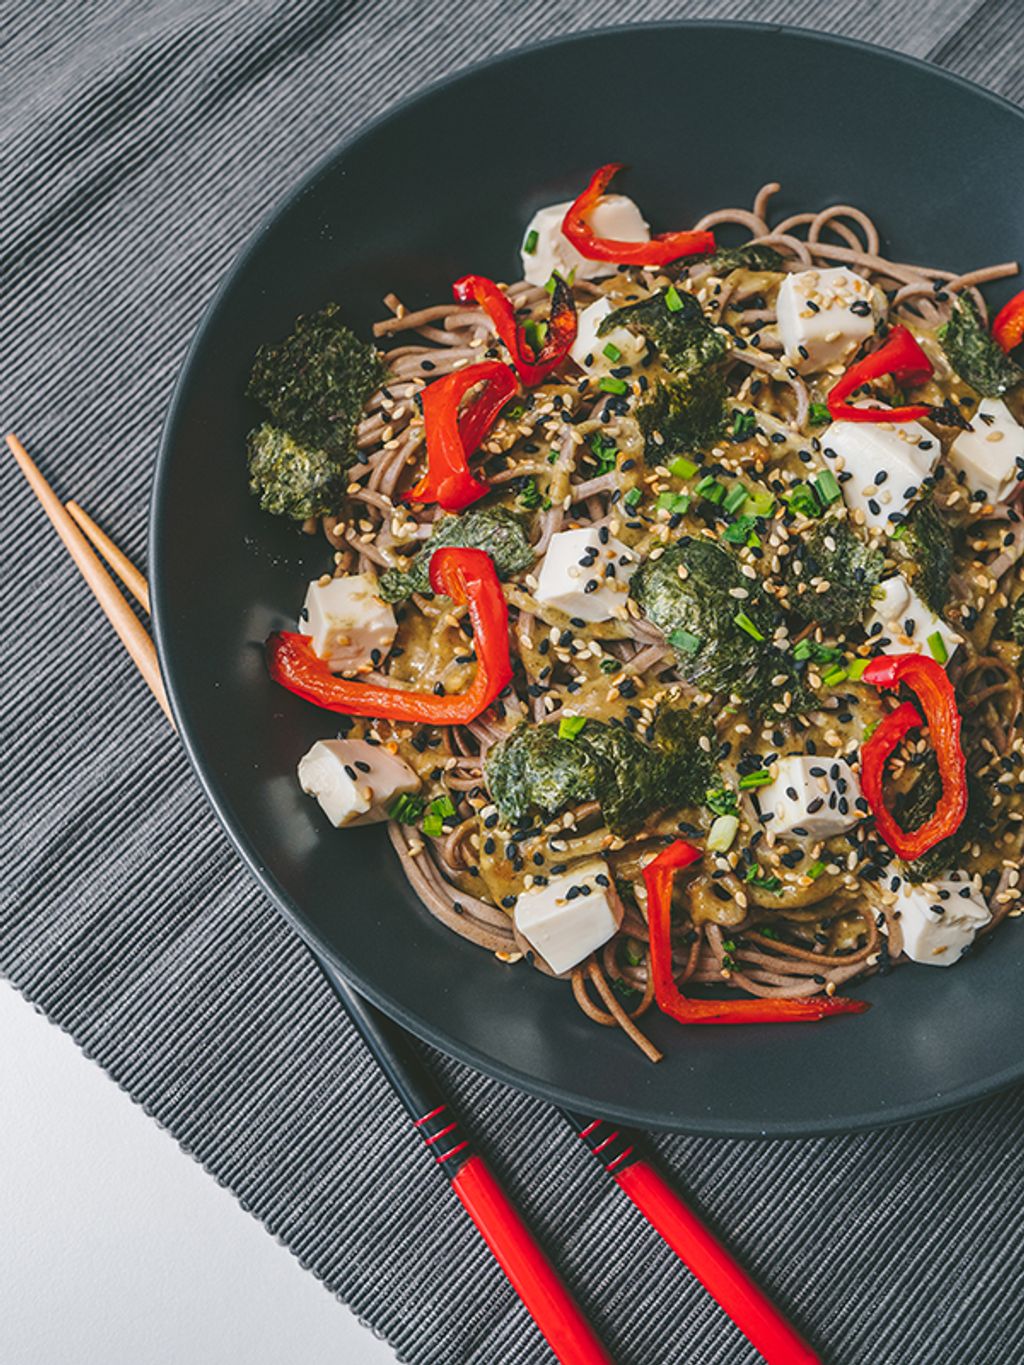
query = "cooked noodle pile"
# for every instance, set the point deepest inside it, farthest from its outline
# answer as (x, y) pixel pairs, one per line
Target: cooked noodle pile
(784, 932)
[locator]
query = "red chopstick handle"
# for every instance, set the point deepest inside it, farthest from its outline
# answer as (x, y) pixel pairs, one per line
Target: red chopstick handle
(722, 1276)
(532, 1275)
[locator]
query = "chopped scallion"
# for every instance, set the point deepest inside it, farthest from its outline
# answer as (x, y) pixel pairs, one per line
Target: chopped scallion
(937, 645)
(672, 300)
(612, 351)
(827, 488)
(684, 641)
(530, 245)
(570, 726)
(683, 468)
(632, 498)
(406, 808)
(760, 777)
(745, 623)
(722, 833)
(735, 498)
(609, 384)
(818, 415)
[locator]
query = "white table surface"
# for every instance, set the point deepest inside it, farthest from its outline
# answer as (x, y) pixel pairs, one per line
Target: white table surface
(118, 1249)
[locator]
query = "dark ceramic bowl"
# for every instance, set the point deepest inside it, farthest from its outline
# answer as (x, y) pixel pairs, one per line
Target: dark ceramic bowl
(415, 201)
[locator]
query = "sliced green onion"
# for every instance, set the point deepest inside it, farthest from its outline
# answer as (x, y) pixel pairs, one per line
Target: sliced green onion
(816, 869)
(529, 495)
(735, 498)
(826, 485)
(683, 468)
(722, 833)
(672, 300)
(710, 488)
(604, 452)
(437, 811)
(740, 531)
(760, 502)
(720, 801)
(836, 674)
(856, 668)
(744, 424)
(818, 415)
(673, 502)
(937, 645)
(570, 726)
(684, 641)
(612, 351)
(553, 456)
(530, 245)
(406, 808)
(802, 499)
(534, 332)
(745, 623)
(760, 777)
(757, 878)
(609, 665)
(632, 498)
(556, 276)
(609, 384)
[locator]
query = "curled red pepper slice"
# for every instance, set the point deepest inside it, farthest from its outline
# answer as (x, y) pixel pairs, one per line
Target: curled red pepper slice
(660, 250)
(659, 875)
(901, 357)
(1008, 328)
(927, 679)
(467, 577)
(532, 367)
(451, 440)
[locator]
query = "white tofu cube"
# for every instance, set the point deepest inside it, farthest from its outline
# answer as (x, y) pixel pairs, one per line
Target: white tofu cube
(988, 454)
(348, 622)
(615, 216)
(569, 918)
(886, 461)
(354, 781)
(811, 797)
(827, 314)
(586, 577)
(900, 622)
(588, 348)
(939, 919)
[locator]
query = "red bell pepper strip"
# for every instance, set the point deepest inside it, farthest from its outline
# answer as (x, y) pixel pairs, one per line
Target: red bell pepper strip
(927, 679)
(659, 875)
(903, 358)
(532, 367)
(449, 480)
(660, 250)
(1008, 328)
(467, 577)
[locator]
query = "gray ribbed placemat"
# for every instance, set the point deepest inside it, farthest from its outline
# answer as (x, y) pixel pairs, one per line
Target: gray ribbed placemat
(141, 143)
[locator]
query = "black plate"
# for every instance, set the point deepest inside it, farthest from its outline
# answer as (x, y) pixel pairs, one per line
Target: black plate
(444, 185)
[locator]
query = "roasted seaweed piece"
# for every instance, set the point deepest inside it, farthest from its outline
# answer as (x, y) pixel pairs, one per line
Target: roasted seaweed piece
(683, 414)
(292, 480)
(536, 773)
(494, 529)
(914, 807)
(973, 354)
(753, 256)
(316, 382)
(684, 337)
(925, 547)
(832, 552)
(723, 643)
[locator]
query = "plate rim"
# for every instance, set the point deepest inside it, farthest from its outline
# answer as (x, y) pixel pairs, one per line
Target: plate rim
(889, 1116)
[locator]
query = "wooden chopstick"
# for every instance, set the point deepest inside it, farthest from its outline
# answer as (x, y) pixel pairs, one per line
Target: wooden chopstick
(120, 563)
(130, 630)
(524, 1262)
(532, 1275)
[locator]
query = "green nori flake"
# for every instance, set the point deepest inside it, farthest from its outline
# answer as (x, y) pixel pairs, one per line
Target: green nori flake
(534, 772)
(316, 381)
(977, 359)
(832, 551)
(684, 337)
(926, 549)
(686, 411)
(494, 529)
(290, 479)
(729, 658)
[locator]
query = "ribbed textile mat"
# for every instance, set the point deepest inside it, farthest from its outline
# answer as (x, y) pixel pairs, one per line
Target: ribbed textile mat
(141, 143)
